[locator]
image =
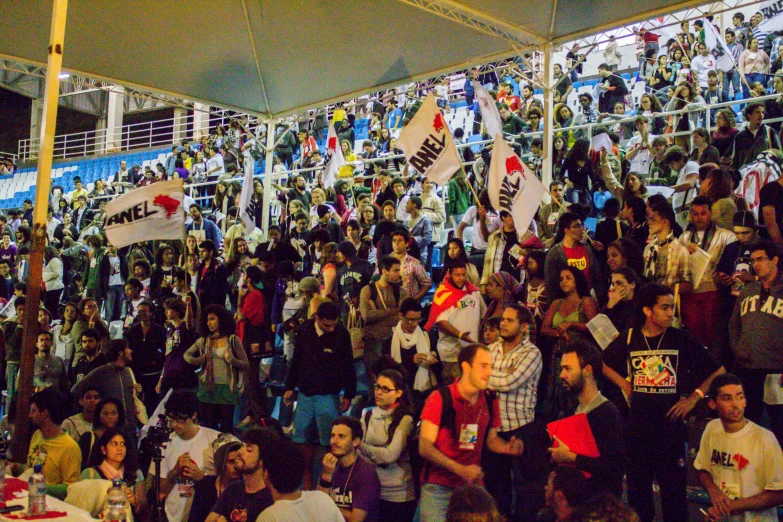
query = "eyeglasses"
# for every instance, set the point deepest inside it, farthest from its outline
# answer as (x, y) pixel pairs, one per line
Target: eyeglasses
(384, 389)
(758, 259)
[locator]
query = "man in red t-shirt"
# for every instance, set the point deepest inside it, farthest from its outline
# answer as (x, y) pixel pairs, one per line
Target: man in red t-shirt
(451, 439)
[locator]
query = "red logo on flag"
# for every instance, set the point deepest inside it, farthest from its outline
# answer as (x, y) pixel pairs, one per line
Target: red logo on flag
(513, 164)
(169, 204)
(332, 143)
(438, 123)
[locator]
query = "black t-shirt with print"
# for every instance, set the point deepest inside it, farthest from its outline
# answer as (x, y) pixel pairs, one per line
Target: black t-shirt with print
(660, 375)
(237, 505)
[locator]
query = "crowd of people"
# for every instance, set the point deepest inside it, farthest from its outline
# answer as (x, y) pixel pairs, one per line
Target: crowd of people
(414, 343)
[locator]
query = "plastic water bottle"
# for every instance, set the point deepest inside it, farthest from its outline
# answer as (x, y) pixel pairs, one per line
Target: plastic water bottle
(37, 493)
(117, 502)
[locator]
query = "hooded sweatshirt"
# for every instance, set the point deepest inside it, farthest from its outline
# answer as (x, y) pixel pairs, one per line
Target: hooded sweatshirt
(755, 326)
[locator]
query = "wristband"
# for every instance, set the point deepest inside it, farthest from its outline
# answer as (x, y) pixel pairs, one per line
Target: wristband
(698, 392)
(324, 484)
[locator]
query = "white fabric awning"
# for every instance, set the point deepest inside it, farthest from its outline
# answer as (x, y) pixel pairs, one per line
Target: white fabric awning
(275, 58)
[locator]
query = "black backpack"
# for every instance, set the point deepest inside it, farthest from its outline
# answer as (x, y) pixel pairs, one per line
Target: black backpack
(448, 416)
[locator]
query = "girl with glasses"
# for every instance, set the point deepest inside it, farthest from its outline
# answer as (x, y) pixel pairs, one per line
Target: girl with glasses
(385, 444)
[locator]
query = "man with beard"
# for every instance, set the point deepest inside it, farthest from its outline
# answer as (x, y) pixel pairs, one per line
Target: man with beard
(516, 370)
(245, 499)
(348, 477)
(580, 363)
(88, 358)
(297, 190)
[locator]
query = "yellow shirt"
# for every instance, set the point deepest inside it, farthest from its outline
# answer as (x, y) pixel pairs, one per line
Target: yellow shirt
(76, 195)
(338, 115)
(346, 171)
(60, 456)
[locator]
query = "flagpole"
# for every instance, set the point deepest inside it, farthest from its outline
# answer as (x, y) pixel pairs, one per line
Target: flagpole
(25, 390)
(470, 185)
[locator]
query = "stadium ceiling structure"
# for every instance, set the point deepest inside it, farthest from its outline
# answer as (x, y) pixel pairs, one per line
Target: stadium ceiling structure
(273, 58)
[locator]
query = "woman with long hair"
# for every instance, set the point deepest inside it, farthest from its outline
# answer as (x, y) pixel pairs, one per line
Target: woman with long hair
(347, 170)
(395, 165)
(662, 77)
(61, 334)
(116, 460)
(649, 106)
(635, 213)
(703, 152)
(223, 362)
(237, 260)
(565, 320)
(725, 131)
(718, 188)
(385, 444)
(455, 249)
(101, 190)
(625, 252)
(383, 141)
(579, 173)
(221, 202)
(564, 118)
(536, 299)
(191, 247)
(686, 98)
(559, 153)
(569, 314)
(620, 308)
(109, 414)
(754, 64)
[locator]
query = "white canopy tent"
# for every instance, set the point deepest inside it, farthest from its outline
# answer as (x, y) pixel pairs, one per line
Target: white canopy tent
(276, 58)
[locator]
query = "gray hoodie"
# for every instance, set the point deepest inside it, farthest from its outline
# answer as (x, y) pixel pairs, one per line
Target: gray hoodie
(756, 327)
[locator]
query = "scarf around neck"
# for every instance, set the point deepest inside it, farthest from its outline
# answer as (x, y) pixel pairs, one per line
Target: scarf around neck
(655, 247)
(421, 341)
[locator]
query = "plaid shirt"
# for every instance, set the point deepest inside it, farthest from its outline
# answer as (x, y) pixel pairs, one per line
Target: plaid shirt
(414, 277)
(672, 265)
(515, 378)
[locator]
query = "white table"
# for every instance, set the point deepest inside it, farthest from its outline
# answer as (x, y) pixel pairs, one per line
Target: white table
(52, 504)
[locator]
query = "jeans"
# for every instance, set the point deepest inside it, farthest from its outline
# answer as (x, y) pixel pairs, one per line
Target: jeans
(434, 502)
(753, 77)
(114, 297)
(732, 77)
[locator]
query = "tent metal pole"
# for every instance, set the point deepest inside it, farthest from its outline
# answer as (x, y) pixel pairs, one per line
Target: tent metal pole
(22, 433)
(270, 157)
(549, 80)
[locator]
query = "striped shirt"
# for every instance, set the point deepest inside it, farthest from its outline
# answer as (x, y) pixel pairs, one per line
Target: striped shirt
(515, 376)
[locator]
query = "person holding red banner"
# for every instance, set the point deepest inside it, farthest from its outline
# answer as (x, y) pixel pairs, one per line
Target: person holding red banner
(457, 309)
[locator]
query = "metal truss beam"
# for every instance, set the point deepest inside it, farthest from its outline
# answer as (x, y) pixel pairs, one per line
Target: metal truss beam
(690, 14)
(516, 35)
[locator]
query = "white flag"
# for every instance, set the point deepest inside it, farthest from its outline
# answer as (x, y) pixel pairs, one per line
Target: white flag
(489, 110)
(512, 186)
(334, 158)
(772, 12)
(428, 144)
(247, 208)
(143, 214)
(718, 47)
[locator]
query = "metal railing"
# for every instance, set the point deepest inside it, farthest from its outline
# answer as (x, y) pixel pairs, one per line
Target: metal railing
(116, 139)
(9, 156)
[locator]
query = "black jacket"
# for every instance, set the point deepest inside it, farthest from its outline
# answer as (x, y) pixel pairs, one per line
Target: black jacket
(322, 365)
(104, 273)
(212, 288)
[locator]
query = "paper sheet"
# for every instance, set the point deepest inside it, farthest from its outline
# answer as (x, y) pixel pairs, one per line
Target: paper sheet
(700, 262)
(603, 330)
(601, 142)
(666, 192)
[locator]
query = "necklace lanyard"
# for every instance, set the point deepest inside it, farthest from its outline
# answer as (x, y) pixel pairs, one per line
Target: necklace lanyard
(659, 341)
(345, 486)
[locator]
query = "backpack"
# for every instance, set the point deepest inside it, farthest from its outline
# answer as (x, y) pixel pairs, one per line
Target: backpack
(448, 417)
